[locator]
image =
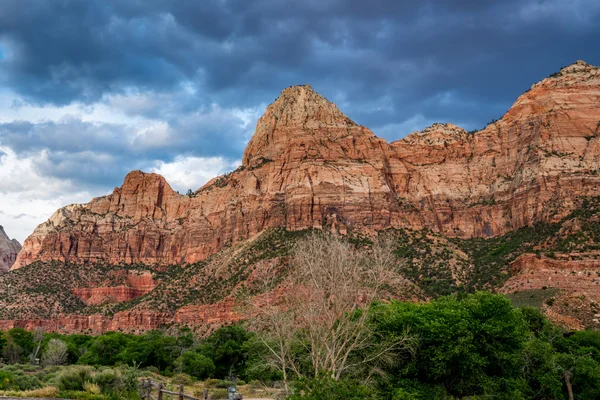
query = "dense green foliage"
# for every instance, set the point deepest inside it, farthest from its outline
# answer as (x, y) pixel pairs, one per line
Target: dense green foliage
(76, 382)
(222, 354)
(325, 388)
(474, 346)
(468, 346)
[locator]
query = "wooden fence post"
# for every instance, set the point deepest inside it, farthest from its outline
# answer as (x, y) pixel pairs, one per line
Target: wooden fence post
(160, 391)
(205, 394)
(180, 392)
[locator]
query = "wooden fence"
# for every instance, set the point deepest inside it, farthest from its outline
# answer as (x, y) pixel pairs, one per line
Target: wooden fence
(148, 387)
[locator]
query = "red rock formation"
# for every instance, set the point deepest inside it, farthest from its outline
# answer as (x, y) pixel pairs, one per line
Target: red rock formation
(579, 273)
(309, 165)
(9, 249)
(137, 285)
(125, 321)
(576, 275)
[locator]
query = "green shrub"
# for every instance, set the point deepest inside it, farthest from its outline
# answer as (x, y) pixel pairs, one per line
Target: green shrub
(325, 388)
(218, 394)
(152, 369)
(182, 379)
(106, 379)
(7, 380)
(27, 382)
(74, 377)
(211, 383)
(224, 384)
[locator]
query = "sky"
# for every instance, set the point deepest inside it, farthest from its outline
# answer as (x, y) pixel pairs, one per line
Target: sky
(92, 89)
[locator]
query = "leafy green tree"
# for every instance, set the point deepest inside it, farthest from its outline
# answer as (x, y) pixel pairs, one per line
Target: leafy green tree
(150, 349)
(23, 339)
(105, 349)
(470, 346)
(196, 364)
(2, 341)
(226, 347)
(77, 345)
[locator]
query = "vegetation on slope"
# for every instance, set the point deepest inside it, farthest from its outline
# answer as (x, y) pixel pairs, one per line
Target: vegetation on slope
(435, 264)
(470, 346)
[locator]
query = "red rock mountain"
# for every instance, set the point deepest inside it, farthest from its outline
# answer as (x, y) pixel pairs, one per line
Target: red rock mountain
(309, 165)
(8, 251)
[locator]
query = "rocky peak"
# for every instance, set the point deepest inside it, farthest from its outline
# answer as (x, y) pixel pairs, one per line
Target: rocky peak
(8, 251)
(577, 73)
(437, 133)
(301, 106)
(298, 108)
(141, 195)
(138, 179)
(3, 235)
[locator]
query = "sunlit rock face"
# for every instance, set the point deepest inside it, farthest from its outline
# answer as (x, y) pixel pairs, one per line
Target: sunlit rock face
(309, 165)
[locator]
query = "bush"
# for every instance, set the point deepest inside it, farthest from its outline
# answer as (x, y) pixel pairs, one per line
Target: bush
(152, 369)
(92, 388)
(47, 392)
(223, 384)
(106, 379)
(211, 383)
(218, 394)
(7, 380)
(55, 354)
(27, 382)
(325, 388)
(74, 377)
(182, 379)
(127, 383)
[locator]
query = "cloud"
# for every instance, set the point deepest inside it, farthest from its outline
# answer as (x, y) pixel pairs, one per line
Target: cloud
(28, 198)
(92, 89)
(185, 173)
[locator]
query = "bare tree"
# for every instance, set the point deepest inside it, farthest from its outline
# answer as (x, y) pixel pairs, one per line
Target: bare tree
(326, 309)
(275, 322)
(55, 354)
(38, 336)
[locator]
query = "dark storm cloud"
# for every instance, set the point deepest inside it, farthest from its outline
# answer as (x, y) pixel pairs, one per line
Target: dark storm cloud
(390, 65)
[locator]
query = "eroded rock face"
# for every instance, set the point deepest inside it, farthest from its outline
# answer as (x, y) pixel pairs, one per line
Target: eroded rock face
(308, 165)
(569, 282)
(125, 321)
(136, 285)
(9, 249)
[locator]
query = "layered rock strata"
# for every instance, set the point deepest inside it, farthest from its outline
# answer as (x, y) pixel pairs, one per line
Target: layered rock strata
(309, 165)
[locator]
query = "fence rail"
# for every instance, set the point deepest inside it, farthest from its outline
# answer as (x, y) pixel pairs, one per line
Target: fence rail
(148, 387)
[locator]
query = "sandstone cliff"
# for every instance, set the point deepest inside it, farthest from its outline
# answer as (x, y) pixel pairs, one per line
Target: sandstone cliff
(9, 249)
(308, 165)
(144, 256)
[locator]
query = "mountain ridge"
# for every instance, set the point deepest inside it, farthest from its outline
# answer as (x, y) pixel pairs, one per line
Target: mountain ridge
(502, 206)
(304, 142)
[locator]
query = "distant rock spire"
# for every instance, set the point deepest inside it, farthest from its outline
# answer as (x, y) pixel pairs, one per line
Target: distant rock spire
(9, 249)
